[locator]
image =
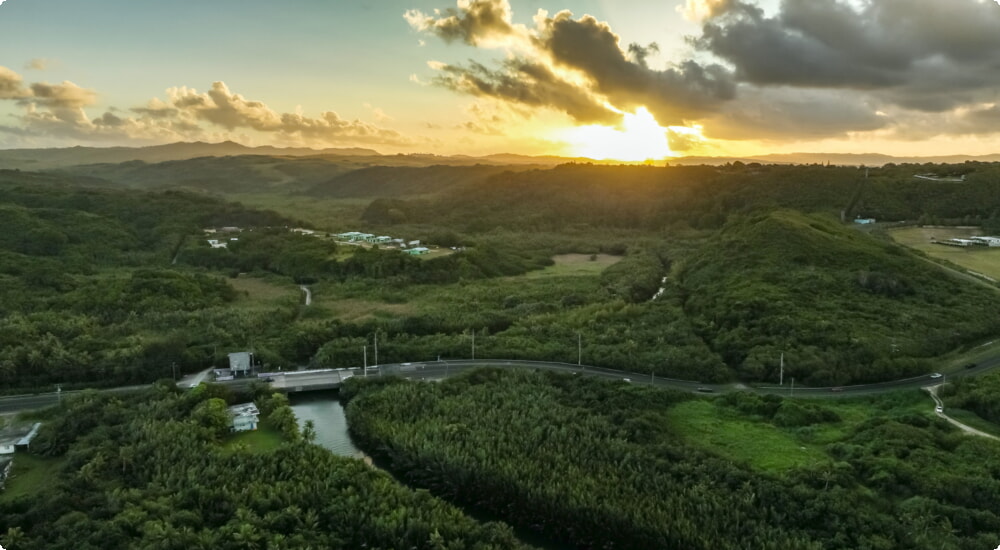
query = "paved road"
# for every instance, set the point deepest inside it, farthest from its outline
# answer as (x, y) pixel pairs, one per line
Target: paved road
(440, 369)
(431, 370)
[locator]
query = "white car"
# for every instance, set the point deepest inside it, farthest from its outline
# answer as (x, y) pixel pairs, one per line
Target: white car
(936, 375)
(939, 409)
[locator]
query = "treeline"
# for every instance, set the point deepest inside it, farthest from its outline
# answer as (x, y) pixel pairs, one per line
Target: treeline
(146, 470)
(595, 464)
(577, 196)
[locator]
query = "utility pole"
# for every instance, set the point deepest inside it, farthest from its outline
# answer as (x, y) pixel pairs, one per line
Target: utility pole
(376, 347)
(473, 343)
(173, 367)
(791, 393)
(59, 393)
(781, 373)
(365, 348)
(579, 349)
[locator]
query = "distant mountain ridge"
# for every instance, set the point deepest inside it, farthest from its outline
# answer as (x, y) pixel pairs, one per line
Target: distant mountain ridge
(46, 159)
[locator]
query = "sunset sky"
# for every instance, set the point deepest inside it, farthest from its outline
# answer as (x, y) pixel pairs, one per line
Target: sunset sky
(618, 79)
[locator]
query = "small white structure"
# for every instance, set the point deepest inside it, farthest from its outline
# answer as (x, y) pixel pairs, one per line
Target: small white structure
(413, 243)
(245, 417)
(864, 221)
(25, 442)
(417, 251)
(960, 242)
(988, 241)
(215, 243)
(240, 363)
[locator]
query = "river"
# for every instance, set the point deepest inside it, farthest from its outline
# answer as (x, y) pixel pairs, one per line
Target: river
(327, 414)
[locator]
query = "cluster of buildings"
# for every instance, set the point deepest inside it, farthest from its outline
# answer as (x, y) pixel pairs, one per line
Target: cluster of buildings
(356, 237)
(220, 239)
(971, 241)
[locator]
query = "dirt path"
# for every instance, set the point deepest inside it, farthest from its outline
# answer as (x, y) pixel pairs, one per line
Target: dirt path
(939, 410)
(309, 294)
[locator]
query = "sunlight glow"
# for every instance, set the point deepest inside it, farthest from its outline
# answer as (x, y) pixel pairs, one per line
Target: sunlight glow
(641, 138)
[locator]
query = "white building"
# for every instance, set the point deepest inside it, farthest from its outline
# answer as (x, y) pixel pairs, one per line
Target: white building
(244, 417)
(240, 363)
(988, 241)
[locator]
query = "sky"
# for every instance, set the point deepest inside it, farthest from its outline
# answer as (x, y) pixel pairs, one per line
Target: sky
(620, 79)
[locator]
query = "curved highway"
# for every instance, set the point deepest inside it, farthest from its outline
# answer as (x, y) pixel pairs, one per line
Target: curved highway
(431, 370)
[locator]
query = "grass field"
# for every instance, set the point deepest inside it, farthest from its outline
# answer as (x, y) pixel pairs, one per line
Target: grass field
(979, 259)
(762, 445)
(262, 440)
(767, 447)
(255, 291)
(354, 309)
(29, 474)
(575, 265)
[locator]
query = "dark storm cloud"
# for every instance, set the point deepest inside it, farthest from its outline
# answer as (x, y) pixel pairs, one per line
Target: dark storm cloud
(593, 66)
(672, 94)
(524, 82)
(915, 53)
(788, 113)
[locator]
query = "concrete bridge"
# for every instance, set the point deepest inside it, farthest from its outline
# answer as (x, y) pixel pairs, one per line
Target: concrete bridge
(308, 380)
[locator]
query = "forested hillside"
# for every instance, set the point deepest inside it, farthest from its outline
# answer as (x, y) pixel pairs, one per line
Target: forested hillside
(88, 291)
(842, 307)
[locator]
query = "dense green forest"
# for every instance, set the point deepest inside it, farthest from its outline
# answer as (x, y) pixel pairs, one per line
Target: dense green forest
(747, 262)
(603, 465)
(151, 470)
(841, 306)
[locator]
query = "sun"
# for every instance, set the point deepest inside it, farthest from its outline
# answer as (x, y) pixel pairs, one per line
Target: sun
(640, 138)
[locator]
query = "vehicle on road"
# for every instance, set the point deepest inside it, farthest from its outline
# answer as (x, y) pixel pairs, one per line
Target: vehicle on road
(939, 408)
(626, 379)
(703, 389)
(936, 375)
(837, 389)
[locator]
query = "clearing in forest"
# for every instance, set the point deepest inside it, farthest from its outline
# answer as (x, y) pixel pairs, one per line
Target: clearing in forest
(981, 259)
(575, 265)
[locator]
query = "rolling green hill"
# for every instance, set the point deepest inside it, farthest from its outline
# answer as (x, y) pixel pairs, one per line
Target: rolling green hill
(842, 306)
